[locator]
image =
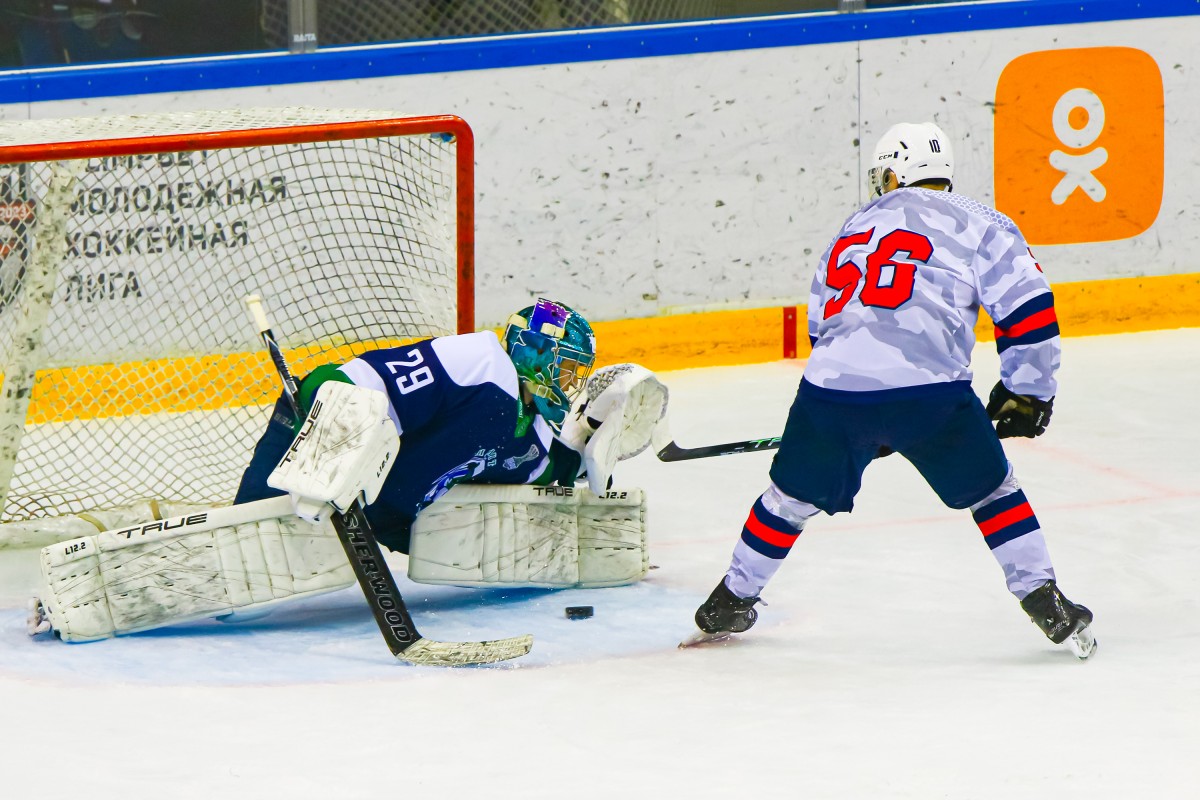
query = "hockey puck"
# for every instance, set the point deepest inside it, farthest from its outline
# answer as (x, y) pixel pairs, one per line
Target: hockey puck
(579, 612)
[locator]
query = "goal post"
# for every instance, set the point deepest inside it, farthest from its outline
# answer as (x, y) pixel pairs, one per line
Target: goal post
(130, 371)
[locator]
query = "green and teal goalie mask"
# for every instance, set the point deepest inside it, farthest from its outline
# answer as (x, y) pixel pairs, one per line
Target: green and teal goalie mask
(553, 349)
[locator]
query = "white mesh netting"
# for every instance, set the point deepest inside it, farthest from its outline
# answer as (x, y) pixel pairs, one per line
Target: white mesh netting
(131, 368)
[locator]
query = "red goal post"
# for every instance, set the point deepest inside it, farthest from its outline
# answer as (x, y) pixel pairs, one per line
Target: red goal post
(130, 369)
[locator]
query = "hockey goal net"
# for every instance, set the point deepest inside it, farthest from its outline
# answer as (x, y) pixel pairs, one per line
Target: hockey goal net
(131, 369)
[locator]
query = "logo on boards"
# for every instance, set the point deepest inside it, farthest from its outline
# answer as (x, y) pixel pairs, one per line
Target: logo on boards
(1079, 144)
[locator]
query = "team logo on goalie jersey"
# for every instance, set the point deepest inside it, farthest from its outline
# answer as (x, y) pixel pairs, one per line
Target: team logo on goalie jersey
(515, 461)
(462, 472)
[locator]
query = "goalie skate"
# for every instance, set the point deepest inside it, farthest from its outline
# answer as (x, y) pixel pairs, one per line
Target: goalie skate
(38, 620)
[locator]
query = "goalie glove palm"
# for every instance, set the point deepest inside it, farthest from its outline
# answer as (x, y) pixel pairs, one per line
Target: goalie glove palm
(1018, 414)
(617, 419)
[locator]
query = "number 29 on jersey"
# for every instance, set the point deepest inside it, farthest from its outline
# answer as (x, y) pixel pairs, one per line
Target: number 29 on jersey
(410, 375)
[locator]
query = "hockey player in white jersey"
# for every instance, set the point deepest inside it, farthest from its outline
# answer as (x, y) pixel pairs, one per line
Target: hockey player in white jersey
(891, 317)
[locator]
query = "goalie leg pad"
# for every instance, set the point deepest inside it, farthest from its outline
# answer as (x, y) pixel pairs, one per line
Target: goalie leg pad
(612, 539)
(104, 585)
(530, 536)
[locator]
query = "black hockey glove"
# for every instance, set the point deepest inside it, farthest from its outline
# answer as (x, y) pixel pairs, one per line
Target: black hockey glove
(1018, 414)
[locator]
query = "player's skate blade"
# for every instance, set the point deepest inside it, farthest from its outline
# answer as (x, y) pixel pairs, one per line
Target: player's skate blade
(1083, 642)
(700, 637)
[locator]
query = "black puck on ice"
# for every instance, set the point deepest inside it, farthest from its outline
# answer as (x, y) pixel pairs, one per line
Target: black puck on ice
(579, 612)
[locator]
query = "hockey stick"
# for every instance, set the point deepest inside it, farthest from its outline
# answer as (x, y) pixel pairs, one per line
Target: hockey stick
(667, 450)
(370, 568)
(673, 452)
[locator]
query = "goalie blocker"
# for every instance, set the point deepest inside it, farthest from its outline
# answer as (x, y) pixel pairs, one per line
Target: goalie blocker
(238, 562)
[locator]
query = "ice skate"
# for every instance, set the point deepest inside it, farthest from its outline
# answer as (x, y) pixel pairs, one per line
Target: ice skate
(1060, 619)
(38, 618)
(722, 614)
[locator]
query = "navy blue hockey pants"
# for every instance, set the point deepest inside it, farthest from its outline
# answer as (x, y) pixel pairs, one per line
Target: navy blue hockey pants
(830, 437)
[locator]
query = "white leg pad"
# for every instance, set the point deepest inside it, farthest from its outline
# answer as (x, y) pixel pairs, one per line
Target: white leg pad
(535, 536)
(136, 579)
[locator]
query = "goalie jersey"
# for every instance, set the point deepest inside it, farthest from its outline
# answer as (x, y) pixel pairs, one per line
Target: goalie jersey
(893, 309)
(455, 401)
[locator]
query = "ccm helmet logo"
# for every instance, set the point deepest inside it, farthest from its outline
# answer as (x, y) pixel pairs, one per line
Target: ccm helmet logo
(1079, 144)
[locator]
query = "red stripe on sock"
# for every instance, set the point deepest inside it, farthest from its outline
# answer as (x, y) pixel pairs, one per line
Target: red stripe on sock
(769, 535)
(1003, 520)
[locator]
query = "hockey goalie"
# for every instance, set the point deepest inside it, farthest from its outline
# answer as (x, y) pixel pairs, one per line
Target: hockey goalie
(483, 460)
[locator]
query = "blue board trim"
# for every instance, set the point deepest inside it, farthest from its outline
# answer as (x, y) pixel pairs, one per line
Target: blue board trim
(561, 47)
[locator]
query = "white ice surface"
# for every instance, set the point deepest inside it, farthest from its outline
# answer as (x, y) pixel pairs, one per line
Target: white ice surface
(890, 663)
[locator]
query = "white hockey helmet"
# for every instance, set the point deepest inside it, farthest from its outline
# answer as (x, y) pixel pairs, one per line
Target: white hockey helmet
(914, 151)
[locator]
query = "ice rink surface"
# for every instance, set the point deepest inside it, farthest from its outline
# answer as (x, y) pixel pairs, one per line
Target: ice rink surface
(890, 663)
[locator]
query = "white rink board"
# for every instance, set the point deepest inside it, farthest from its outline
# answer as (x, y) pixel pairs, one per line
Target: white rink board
(656, 185)
(944, 78)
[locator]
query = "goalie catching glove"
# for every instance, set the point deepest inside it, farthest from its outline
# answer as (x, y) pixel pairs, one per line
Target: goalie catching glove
(1018, 414)
(615, 419)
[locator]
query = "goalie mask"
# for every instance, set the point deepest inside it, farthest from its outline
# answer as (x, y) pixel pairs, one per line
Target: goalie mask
(914, 152)
(553, 349)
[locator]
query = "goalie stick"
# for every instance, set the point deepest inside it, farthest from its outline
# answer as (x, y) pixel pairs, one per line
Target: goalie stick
(370, 568)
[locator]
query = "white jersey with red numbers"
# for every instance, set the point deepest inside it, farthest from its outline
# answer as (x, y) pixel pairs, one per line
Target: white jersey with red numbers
(898, 291)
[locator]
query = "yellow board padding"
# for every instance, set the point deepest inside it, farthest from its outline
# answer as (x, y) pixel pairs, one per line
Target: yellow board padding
(677, 341)
(724, 338)
(186, 383)
(683, 341)
(1125, 305)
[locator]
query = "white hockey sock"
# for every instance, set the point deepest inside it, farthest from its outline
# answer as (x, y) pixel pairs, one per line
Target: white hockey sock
(774, 523)
(1011, 531)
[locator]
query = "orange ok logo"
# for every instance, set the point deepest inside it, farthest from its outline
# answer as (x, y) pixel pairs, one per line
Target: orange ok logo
(1079, 144)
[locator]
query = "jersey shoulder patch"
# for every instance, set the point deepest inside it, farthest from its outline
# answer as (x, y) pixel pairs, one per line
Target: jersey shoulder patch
(978, 209)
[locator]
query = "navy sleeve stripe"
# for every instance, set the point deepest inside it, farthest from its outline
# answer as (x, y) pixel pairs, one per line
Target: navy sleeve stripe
(1032, 337)
(1027, 309)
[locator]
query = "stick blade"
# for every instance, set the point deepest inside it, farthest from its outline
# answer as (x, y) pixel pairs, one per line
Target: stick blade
(671, 452)
(430, 653)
